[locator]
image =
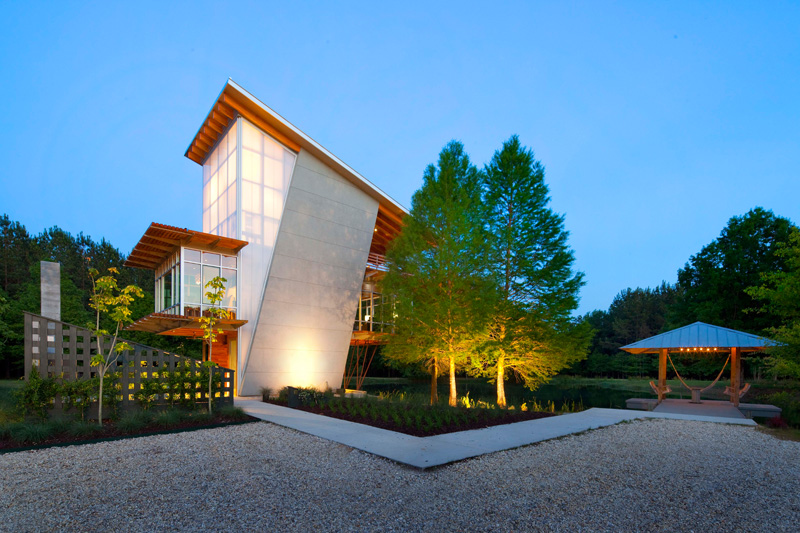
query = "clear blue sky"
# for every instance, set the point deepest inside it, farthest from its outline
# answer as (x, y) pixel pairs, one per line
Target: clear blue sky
(656, 122)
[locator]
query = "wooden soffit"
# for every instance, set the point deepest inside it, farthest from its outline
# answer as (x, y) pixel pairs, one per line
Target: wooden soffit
(361, 338)
(160, 241)
(181, 326)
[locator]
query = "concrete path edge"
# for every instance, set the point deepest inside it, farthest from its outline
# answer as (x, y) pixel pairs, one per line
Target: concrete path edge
(427, 452)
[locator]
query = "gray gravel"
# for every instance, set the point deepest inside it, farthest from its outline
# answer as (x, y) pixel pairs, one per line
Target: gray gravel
(655, 475)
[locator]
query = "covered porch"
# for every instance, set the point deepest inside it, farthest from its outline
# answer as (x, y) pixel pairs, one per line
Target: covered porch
(702, 339)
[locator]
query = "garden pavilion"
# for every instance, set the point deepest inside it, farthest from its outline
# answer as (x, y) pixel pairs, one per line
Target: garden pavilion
(700, 338)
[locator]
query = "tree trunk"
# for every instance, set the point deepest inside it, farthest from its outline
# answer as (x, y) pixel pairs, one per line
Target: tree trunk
(434, 377)
(100, 401)
(453, 397)
(501, 378)
(209, 389)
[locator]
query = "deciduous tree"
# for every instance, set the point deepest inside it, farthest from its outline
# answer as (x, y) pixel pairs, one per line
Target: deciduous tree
(713, 283)
(779, 293)
(531, 333)
(437, 270)
(108, 298)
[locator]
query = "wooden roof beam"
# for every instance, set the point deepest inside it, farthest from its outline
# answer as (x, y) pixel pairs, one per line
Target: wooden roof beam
(226, 110)
(220, 118)
(260, 123)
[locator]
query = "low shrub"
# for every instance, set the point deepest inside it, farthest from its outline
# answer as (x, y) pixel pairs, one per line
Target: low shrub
(37, 396)
(169, 417)
(83, 429)
(790, 407)
(231, 411)
(31, 432)
(134, 421)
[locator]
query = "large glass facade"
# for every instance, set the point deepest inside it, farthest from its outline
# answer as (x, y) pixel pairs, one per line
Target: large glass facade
(198, 269)
(375, 311)
(168, 286)
(219, 187)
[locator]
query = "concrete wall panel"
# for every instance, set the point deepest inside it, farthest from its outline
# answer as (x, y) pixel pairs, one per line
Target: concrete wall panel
(300, 247)
(311, 203)
(292, 268)
(306, 320)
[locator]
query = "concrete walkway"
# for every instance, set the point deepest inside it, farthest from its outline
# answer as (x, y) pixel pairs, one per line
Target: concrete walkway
(426, 452)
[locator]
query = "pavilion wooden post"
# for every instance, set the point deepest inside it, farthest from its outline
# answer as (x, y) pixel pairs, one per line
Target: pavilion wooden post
(662, 373)
(735, 375)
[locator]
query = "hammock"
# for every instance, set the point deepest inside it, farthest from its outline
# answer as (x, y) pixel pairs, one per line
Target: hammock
(695, 388)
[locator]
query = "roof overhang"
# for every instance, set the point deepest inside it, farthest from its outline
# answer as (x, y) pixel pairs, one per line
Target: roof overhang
(234, 100)
(160, 241)
(179, 325)
(700, 338)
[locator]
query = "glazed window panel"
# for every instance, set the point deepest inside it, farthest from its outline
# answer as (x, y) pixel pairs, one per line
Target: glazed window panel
(191, 283)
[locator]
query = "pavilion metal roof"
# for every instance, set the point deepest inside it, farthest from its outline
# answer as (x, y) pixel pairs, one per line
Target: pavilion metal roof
(701, 336)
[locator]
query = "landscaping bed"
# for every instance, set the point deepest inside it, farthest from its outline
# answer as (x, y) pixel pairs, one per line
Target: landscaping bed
(22, 436)
(413, 419)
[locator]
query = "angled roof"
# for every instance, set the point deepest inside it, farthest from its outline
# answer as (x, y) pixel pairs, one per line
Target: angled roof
(234, 100)
(700, 335)
(160, 241)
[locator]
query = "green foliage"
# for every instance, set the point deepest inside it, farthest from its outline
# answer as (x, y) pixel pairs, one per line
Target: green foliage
(232, 412)
(779, 295)
(38, 395)
(31, 433)
(531, 332)
(417, 415)
(713, 284)
(437, 270)
(20, 253)
(170, 417)
(215, 292)
(789, 404)
(150, 390)
(78, 394)
(111, 301)
(134, 421)
(83, 429)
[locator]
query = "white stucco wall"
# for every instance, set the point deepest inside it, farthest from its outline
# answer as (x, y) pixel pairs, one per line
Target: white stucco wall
(309, 305)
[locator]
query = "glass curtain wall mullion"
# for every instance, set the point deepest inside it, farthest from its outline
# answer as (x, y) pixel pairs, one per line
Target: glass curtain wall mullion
(373, 313)
(198, 269)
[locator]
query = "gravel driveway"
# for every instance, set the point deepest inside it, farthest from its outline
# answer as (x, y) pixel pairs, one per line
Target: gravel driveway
(654, 475)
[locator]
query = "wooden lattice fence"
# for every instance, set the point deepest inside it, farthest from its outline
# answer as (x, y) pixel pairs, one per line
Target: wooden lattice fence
(59, 350)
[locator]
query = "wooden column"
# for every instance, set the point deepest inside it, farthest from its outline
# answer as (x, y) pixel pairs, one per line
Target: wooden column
(735, 376)
(662, 373)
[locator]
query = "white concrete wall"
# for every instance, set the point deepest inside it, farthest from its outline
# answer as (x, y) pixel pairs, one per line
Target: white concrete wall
(306, 319)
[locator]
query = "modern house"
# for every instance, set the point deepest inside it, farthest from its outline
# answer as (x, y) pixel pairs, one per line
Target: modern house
(300, 238)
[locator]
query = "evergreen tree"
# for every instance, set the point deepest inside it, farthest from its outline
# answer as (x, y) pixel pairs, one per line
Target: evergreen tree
(437, 270)
(531, 333)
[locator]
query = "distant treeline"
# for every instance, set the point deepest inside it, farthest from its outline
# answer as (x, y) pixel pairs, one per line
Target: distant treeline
(20, 254)
(710, 288)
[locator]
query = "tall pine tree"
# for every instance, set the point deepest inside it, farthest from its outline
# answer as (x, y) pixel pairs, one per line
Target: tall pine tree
(531, 333)
(437, 271)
